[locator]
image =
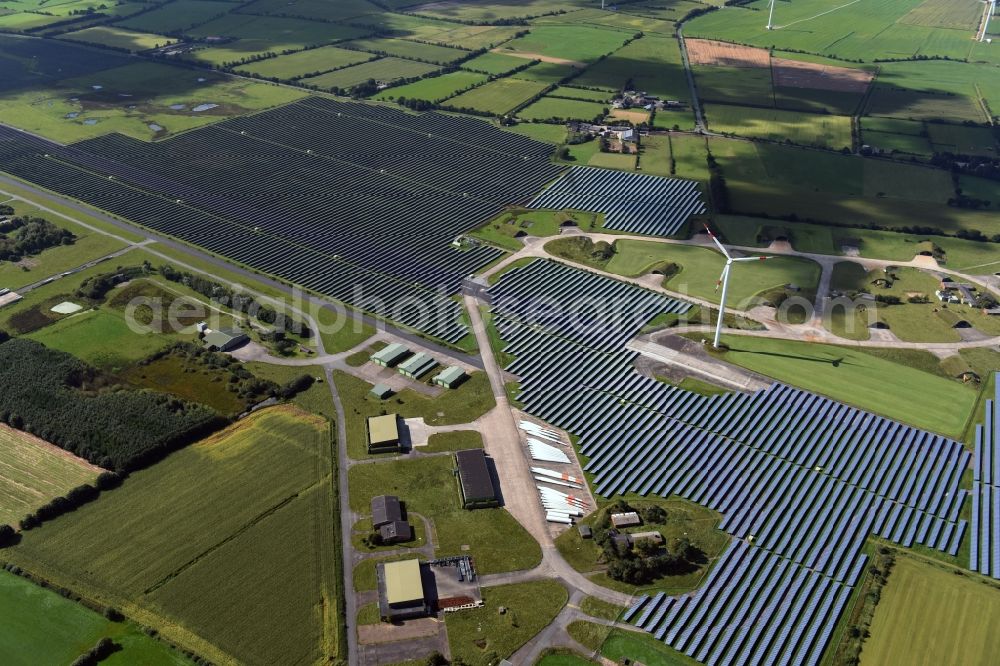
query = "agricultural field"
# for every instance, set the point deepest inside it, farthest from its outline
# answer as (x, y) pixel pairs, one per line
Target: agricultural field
(962, 139)
(428, 486)
(212, 566)
(305, 63)
(401, 48)
(587, 95)
(143, 100)
(489, 10)
(652, 64)
(558, 109)
(385, 70)
(565, 44)
(494, 63)
(43, 627)
(825, 131)
(735, 85)
(176, 16)
(32, 472)
(916, 397)
(435, 88)
(928, 615)
(316, 9)
(497, 97)
(848, 31)
(936, 90)
(118, 38)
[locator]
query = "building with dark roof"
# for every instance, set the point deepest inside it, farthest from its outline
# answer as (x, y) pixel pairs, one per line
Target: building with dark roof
(385, 509)
(475, 480)
(397, 531)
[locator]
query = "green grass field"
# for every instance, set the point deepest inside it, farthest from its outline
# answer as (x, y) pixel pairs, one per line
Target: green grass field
(568, 42)
(652, 63)
(135, 98)
(383, 69)
(214, 543)
(177, 15)
(735, 85)
(929, 616)
(916, 397)
(808, 129)
(42, 627)
(102, 338)
(401, 48)
(494, 63)
(33, 471)
(435, 88)
(560, 109)
(508, 227)
(701, 267)
(530, 608)
(428, 487)
(118, 38)
(305, 63)
(497, 97)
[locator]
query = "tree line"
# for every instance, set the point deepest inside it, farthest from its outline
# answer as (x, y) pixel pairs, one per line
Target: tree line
(239, 302)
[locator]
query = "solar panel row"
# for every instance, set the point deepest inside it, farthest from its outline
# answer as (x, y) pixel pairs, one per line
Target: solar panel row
(800, 479)
(637, 203)
(354, 201)
(984, 554)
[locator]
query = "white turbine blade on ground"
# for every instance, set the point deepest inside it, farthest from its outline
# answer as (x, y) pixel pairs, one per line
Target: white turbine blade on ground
(717, 243)
(753, 258)
(556, 482)
(556, 475)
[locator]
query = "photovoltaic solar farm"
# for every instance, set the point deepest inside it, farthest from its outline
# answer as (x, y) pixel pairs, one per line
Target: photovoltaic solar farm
(800, 479)
(984, 555)
(326, 194)
(631, 202)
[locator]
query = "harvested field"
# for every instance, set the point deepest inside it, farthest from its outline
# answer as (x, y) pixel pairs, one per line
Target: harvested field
(539, 57)
(796, 74)
(711, 52)
(32, 472)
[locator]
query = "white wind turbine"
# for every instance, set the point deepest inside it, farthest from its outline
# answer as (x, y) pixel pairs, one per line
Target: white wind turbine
(770, 16)
(724, 282)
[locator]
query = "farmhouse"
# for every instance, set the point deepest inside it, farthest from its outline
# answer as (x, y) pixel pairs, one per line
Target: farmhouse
(627, 519)
(391, 355)
(450, 378)
(401, 590)
(224, 340)
(417, 366)
(475, 480)
(383, 433)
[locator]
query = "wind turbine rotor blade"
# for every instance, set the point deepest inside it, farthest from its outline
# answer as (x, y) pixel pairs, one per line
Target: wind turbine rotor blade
(722, 276)
(752, 258)
(717, 243)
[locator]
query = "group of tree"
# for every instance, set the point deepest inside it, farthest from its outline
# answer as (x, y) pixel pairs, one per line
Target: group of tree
(95, 655)
(61, 399)
(717, 187)
(26, 236)
(239, 302)
(240, 380)
(645, 560)
(96, 287)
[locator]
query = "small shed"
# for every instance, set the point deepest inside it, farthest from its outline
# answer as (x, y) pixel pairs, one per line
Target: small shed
(381, 391)
(417, 366)
(383, 433)
(390, 356)
(585, 531)
(450, 378)
(655, 537)
(626, 519)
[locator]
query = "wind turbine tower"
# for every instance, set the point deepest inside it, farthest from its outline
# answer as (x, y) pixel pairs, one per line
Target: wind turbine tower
(724, 282)
(770, 16)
